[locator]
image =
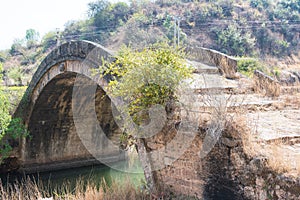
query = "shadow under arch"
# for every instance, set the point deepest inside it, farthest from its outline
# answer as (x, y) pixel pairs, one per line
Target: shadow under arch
(54, 137)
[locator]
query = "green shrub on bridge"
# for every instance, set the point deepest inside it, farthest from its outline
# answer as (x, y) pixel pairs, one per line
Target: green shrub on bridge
(147, 77)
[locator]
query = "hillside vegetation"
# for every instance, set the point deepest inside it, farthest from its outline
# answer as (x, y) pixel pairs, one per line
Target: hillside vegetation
(258, 28)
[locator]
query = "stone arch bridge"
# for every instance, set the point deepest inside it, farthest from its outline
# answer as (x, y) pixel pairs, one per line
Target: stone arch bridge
(52, 116)
(46, 108)
(49, 113)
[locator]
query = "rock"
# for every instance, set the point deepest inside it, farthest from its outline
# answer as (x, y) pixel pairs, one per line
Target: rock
(249, 192)
(257, 164)
(230, 142)
(289, 77)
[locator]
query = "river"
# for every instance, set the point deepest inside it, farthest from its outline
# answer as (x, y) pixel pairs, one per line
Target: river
(117, 172)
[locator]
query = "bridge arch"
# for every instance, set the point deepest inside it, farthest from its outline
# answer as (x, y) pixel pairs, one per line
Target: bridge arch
(46, 108)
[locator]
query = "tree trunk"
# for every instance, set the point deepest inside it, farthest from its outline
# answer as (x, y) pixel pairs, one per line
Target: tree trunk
(146, 164)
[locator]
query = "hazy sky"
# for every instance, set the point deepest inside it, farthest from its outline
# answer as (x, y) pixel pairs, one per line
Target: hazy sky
(16, 16)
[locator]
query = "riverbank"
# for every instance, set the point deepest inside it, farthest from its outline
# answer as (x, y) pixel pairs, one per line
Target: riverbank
(91, 182)
(30, 189)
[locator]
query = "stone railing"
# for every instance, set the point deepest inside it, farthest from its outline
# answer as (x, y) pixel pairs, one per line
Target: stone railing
(227, 65)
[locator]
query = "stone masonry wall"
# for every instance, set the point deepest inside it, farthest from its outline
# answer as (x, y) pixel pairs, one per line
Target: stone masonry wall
(225, 173)
(227, 65)
(266, 84)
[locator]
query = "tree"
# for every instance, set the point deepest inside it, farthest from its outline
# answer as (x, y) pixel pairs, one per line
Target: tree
(32, 37)
(107, 17)
(260, 4)
(3, 56)
(16, 74)
(99, 12)
(235, 42)
(49, 40)
(4, 118)
(120, 12)
(144, 79)
(10, 128)
(17, 47)
(1, 71)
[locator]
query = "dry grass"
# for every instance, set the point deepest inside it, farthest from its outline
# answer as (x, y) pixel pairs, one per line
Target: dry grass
(280, 157)
(28, 190)
(288, 62)
(292, 101)
(283, 160)
(31, 190)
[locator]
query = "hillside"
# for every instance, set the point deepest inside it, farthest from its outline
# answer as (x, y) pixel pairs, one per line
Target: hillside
(264, 29)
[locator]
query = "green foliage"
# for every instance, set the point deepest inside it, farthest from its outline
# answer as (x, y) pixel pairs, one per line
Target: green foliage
(14, 95)
(276, 72)
(17, 47)
(14, 130)
(168, 26)
(236, 42)
(247, 66)
(259, 25)
(286, 10)
(77, 30)
(166, 3)
(281, 48)
(260, 4)
(148, 77)
(49, 40)
(4, 123)
(9, 128)
(32, 37)
(106, 17)
(235, 27)
(3, 56)
(28, 48)
(16, 74)
(4, 112)
(1, 72)
(208, 12)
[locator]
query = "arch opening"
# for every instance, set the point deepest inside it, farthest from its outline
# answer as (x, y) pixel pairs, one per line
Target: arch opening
(54, 142)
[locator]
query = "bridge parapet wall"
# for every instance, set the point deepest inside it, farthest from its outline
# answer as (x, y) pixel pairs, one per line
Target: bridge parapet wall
(227, 65)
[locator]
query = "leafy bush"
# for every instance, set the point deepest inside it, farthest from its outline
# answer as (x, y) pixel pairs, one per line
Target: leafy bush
(281, 48)
(5, 119)
(16, 74)
(286, 10)
(32, 38)
(1, 71)
(247, 66)
(260, 4)
(106, 17)
(17, 48)
(9, 128)
(235, 42)
(3, 56)
(49, 40)
(148, 77)
(14, 95)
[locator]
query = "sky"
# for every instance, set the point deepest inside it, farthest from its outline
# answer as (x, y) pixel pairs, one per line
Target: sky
(17, 16)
